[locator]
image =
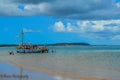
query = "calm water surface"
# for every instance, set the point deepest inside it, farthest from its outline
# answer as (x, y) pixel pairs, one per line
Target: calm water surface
(93, 61)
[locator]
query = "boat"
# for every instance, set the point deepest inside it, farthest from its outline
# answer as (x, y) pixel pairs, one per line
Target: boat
(29, 48)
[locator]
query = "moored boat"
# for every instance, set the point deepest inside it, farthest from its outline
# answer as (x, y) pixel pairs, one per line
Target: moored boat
(29, 48)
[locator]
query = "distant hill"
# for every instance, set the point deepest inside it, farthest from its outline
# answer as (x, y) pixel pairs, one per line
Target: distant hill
(69, 44)
(7, 45)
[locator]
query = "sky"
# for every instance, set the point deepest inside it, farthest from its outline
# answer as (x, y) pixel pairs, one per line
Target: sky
(56, 21)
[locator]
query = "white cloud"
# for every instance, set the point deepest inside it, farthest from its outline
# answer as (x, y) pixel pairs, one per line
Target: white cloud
(117, 37)
(43, 7)
(37, 9)
(107, 29)
(118, 5)
(59, 27)
(99, 26)
(72, 9)
(113, 29)
(69, 27)
(29, 7)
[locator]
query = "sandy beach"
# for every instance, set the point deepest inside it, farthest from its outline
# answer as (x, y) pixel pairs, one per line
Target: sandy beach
(60, 75)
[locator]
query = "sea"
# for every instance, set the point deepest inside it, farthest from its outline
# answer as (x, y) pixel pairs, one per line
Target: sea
(64, 63)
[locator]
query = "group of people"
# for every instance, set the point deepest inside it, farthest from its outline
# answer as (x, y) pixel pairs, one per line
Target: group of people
(53, 51)
(24, 46)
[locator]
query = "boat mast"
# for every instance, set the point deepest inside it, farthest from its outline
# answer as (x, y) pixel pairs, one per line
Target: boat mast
(22, 37)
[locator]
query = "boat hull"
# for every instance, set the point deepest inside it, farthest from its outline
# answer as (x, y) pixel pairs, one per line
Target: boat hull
(32, 51)
(28, 51)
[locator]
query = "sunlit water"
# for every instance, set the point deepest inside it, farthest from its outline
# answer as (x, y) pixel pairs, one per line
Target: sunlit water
(91, 61)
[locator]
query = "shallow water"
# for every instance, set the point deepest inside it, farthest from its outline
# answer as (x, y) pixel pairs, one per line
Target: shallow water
(90, 61)
(7, 73)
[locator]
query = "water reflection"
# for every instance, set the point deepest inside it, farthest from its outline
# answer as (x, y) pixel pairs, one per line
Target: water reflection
(11, 72)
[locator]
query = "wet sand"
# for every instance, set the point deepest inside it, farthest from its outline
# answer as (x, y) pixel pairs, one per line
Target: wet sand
(11, 72)
(57, 75)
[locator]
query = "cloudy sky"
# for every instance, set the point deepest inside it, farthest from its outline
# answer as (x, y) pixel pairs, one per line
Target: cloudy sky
(52, 21)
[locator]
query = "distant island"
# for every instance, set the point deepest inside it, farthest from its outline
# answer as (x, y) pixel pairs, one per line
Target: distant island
(69, 44)
(8, 45)
(56, 44)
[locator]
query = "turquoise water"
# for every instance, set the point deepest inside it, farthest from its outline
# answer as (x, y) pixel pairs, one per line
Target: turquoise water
(91, 61)
(87, 49)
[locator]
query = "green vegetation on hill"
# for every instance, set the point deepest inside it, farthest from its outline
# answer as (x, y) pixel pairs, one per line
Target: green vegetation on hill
(69, 44)
(7, 45)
